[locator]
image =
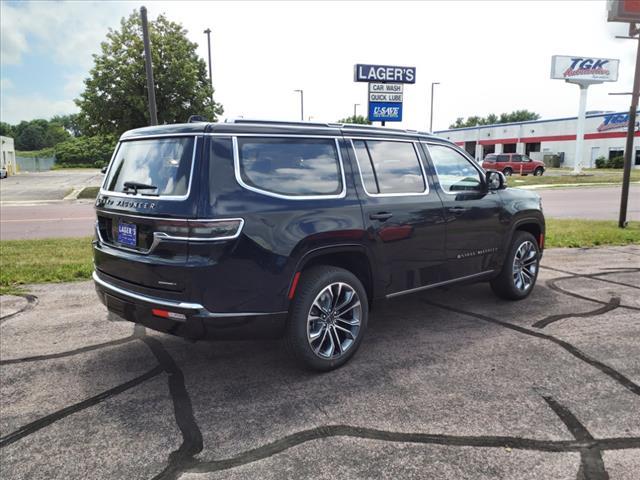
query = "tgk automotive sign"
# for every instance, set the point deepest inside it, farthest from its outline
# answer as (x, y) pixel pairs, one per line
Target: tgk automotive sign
(574, 68)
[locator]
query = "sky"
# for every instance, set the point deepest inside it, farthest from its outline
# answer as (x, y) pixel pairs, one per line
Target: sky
(488, 57)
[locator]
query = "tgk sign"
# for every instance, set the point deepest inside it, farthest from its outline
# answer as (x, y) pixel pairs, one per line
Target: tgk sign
(615, 121)
(588, 69)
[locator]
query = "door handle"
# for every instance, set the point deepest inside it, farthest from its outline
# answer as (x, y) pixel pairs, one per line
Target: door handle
(458, 210)
(382, 216)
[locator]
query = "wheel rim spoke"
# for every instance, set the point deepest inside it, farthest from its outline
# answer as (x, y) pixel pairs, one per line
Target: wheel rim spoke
(525, 266)
(333, 321)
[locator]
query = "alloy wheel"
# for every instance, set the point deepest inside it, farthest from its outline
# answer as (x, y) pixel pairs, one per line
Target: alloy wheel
(333, 322)
(525, 266)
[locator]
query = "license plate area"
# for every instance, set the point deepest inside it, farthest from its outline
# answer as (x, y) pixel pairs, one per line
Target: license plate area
(127, 234)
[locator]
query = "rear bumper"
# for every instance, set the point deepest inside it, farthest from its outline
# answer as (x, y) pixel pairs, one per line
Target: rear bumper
(198, 322)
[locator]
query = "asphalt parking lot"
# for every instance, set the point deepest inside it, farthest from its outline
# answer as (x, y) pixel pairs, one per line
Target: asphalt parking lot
(449, 383)
(46, 186)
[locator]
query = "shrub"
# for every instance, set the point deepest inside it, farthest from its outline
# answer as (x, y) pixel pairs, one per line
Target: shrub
(616, 162)
(601, 162)
(85, 151)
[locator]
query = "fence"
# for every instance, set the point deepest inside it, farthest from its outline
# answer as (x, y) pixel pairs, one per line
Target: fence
(34, 164)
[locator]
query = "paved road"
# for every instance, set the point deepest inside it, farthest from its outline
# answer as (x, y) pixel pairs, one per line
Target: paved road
(55, 220)
(597, 203)
(72, 219)
(53, 185)
(448, 384)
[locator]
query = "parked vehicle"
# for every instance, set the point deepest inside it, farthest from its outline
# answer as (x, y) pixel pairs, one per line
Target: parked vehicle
(510, 163)
(3, 172)
(251, 228)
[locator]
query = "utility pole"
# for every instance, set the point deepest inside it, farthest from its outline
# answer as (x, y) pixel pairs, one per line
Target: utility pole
(301, 104)
(355, 107)
(431, 116)
(628, 151)
(151, 90)
(208, 32)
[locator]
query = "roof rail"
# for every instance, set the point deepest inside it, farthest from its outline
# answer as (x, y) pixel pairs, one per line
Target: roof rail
(346, 126)
(280, 122)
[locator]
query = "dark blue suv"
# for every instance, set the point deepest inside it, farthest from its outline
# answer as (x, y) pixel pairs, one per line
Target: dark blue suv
(253, 229)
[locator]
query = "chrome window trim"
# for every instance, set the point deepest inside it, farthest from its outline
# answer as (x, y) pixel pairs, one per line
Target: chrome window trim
(153, 197)
(236, 168)
(439, 284)
(378, 195)
(472, 162)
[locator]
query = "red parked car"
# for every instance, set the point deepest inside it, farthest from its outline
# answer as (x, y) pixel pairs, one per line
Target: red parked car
(510, 163)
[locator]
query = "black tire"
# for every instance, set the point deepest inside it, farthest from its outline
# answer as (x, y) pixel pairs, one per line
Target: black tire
(510, 285)
(538, 172)
(507, 172)
(313, 283)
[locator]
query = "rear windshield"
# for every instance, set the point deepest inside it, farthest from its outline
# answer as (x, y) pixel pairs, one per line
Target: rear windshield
(159, 167)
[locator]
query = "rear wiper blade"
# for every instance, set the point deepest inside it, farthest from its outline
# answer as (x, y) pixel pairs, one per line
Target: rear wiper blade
(135, 186)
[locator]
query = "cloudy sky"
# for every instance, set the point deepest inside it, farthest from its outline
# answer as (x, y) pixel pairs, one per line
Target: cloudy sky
(488, 57)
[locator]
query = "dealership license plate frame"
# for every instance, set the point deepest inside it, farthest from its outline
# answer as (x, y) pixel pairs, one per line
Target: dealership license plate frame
(128, 234)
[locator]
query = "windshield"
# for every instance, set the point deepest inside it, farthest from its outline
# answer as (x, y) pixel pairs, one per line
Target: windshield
(158, 167)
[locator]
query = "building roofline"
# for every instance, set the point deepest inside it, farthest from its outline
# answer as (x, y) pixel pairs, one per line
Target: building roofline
(527, 122)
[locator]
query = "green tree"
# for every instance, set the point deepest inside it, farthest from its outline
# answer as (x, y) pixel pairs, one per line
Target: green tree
(69, 123)
(7, 130)
(355, 119)
(38, 134)
(115, 95)
(94, 151)
(492, 119)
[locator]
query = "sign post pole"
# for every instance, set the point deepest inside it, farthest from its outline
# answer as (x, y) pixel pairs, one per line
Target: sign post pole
(583, 71)
(577, 164)
(628, 151)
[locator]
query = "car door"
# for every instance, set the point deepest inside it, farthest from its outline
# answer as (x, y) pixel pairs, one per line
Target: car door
(475, 221)
(402, 213)
(527, 164)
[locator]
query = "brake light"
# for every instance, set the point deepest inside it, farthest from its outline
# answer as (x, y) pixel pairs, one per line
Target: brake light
(167, 314)
(223, 229)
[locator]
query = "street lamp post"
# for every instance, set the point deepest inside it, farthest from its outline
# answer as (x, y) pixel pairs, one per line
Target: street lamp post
(208, 32)
(301, 104)
(355, 107)
(431, 116)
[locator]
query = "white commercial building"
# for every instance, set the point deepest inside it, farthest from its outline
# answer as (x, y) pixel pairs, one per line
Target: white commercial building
(7, 155)
(605, 136)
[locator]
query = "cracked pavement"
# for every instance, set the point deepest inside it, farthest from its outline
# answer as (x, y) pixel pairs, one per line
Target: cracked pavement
(448, 383)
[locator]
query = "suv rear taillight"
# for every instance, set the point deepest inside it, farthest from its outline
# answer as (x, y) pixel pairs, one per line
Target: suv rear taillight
(199, 230)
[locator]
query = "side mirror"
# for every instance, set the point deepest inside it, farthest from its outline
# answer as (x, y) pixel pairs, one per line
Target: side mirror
(495, 180)
(104, 169)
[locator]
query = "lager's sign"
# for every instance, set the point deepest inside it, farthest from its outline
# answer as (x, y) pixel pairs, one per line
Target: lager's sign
(384, 73)
(574, 68)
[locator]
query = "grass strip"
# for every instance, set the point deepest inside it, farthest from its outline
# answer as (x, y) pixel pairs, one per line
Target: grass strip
(589, 233)
(70, 259)
(565, 177)
(89, 192)
(47, 260)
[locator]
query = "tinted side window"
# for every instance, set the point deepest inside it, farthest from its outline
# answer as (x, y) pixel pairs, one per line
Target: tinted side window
(389, 167)
(503, 158)
(516, 158)
(290, 166)
(455, 172)
(490, 158)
